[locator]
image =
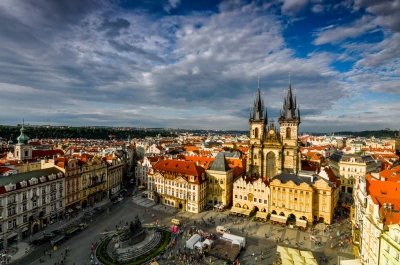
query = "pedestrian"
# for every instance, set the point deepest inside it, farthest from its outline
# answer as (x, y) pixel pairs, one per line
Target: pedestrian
(253, 255)
(50, 254)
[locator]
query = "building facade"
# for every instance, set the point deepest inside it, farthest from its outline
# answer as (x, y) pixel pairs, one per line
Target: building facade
(181, 184)
(349, 166)
(93, 180)
(29, 202)
(302, 199)
(220, 182)
(272, 151)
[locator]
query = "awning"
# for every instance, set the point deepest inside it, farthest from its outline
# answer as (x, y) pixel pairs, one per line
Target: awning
(246, 212)
(302, 223)
(12, 235)
(24, 229)
(261, 215)
(278, 218)
(236, 210)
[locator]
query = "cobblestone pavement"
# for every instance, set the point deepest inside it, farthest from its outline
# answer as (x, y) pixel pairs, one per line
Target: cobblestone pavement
(260, 236)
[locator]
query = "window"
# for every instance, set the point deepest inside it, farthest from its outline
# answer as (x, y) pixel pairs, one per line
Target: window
(245, 198)
(307, 200)
(25, 218)
(396, 255)
(255, 200)
(24, 207)
(34, 204)
(236, 196)
(259, 200)
(288, 132)
(265, 201)
(307, 209)
(324, 208)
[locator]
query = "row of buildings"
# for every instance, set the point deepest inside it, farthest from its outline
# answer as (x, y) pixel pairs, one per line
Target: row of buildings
(53, 188)
(267, 176)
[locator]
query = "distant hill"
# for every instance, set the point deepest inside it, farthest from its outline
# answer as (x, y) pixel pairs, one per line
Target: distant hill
(366, 134)
(39, 132)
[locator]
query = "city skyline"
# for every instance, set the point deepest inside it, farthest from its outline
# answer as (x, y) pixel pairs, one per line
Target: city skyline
(195, 65)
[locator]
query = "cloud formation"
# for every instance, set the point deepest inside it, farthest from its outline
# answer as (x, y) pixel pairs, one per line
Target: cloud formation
(109, 64)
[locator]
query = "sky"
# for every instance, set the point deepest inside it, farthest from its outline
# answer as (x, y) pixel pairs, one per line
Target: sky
(195, 64)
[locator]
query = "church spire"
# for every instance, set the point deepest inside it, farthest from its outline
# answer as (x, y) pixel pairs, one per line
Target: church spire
(289, 105)
(258, 108)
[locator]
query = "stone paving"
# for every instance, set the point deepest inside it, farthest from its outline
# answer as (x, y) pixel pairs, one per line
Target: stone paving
(265, 235)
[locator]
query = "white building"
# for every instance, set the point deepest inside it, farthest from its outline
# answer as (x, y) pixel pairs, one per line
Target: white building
(29, 202)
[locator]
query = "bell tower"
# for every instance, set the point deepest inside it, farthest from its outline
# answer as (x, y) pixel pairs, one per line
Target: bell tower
(289, 121)
(258, 122)
(22, 149)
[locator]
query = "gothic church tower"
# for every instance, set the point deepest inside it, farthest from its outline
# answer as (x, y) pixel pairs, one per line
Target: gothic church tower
(258, 123)
(273, 150)
(289, 121)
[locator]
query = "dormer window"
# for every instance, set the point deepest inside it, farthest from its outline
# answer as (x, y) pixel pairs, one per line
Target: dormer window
(33, 181)
(10, 187)
(23, 183)
(42, 179)
(191, 178)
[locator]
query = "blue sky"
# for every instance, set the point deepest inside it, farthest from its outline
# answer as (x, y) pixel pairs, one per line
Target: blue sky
(195, 64)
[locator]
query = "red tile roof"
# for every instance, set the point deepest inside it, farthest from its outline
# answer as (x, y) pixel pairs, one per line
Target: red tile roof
(180, 167)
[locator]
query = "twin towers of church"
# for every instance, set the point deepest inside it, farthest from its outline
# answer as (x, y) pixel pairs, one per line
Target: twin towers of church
(273, 152)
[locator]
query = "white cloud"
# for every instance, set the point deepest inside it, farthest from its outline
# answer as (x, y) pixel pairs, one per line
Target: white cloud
(317, 8)
(292, 7)
(340, 33)
(172, 4)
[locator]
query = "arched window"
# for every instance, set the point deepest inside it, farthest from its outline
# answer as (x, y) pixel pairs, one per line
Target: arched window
(288, 132)
(256, 133)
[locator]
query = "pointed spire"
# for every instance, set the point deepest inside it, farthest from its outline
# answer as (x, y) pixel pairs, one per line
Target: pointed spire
(258, 109)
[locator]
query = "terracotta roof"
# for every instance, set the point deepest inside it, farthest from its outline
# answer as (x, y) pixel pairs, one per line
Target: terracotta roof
(46, 153)
(382, 193)
(185, 168)
(391, 174)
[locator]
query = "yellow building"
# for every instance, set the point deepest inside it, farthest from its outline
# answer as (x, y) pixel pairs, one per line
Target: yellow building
(298, 199)
(251, 195)
(93, 180)
(348, 167)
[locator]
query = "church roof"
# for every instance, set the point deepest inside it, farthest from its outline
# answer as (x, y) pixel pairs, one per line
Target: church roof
(220, 163)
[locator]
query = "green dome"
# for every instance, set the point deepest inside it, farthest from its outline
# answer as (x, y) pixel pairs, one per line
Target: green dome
(22, 138)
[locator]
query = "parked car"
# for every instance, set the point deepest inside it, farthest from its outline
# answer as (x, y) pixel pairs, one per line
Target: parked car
(49, 235)
(98, 210)
(144, 195)
(117, 201)
(57, 232)
(37, 242)
(89, 213)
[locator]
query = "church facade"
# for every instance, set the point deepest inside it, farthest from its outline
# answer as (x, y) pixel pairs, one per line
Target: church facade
(272, 150)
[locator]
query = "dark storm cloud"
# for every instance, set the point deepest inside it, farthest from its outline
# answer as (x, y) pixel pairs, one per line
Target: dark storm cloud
(113, 28)
(126, 47)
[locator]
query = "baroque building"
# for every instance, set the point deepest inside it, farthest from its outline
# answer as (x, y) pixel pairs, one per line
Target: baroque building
(181, 184)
